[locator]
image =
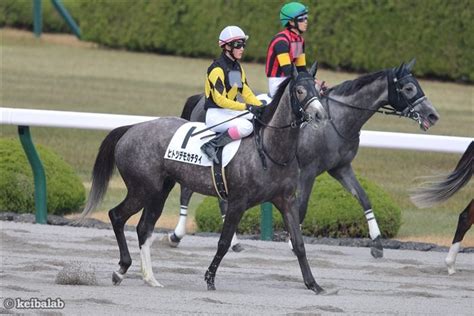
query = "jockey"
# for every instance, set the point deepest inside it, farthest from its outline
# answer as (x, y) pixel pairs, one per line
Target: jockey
(287, 48)
(225, 81)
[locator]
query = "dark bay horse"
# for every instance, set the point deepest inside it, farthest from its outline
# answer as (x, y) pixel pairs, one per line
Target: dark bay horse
(441, 188)
(333, 146)
(138, 152)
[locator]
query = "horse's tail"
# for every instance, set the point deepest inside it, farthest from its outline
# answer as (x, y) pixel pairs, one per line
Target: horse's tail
(441, 188)
(189, 106)
(103, 168)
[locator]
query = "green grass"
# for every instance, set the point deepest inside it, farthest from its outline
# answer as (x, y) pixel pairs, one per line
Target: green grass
(69, 76)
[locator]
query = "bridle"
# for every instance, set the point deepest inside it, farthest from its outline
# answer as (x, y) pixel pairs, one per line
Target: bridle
(299, 111)
(398, 105)
(302, 118)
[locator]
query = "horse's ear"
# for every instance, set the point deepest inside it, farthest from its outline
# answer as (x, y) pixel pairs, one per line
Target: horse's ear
(314, 69)
(410, 65)
(294, 72)
(399, 69)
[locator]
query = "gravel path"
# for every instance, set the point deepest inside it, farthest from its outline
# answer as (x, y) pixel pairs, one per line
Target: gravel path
(265, 279)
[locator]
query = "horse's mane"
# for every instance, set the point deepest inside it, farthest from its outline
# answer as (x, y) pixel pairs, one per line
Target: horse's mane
(351, 86)
(272, 106)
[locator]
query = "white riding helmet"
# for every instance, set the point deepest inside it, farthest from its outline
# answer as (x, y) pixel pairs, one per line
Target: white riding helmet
(230, 34)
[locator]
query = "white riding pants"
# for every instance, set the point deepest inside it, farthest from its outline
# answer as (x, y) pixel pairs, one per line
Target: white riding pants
(273, 84)
(238, 128)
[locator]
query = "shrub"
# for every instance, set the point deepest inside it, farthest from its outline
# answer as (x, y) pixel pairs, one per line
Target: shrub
(354, 35)
(65, 192)
(332, 212)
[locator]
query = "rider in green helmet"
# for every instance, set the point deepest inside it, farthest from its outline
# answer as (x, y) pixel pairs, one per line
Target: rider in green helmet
(287, 48)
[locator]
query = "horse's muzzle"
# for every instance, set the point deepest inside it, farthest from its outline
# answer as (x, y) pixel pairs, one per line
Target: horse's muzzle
(317, 112)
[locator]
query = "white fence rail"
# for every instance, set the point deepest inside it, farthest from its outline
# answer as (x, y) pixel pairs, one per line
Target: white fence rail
(99, 121)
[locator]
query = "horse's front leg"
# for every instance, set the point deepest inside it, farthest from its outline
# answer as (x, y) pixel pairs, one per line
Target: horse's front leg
(345, 175)
(235, 244)
(289, 210)
(231, 222)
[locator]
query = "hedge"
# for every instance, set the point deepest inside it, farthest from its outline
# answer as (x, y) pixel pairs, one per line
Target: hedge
(65, 192)
(332, 212)
(356, 35)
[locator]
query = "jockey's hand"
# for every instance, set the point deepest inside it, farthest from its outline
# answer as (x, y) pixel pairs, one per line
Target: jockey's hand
(255, 109)
(321, 86)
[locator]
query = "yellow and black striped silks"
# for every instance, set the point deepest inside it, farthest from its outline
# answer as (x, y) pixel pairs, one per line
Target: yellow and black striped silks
(218, 89)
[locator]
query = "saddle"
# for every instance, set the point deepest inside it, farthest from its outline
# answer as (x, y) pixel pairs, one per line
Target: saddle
(185, 147)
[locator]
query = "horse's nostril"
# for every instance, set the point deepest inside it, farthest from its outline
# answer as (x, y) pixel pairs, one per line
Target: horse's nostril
(433, 118)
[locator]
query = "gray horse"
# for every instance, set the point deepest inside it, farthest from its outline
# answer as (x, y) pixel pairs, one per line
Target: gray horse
(138, 152)
(333, 146)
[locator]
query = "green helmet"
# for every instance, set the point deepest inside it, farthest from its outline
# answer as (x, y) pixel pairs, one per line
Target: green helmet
(290, 11)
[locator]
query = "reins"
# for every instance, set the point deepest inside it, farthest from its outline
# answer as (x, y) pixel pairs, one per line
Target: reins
(304, 118)
(390, 111)
(211, 127)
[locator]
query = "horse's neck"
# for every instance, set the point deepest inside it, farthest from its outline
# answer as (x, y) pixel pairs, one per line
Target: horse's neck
(281, 143)
(349, 120)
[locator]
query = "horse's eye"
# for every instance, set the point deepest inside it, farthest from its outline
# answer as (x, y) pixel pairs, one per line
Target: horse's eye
(409, 89)
(299, 91)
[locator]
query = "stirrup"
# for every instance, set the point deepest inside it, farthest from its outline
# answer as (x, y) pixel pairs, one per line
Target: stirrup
(212, 156)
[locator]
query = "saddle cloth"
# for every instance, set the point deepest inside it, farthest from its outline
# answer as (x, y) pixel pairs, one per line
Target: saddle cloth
(187, 149)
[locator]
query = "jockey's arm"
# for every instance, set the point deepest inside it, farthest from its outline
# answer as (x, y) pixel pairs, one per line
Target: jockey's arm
(300, 63)
(282, 50)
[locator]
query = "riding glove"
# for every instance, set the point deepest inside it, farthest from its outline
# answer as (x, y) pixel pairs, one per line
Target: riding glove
(254, 109)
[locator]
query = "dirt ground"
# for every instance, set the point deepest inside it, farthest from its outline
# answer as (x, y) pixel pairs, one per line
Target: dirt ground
(264, 279)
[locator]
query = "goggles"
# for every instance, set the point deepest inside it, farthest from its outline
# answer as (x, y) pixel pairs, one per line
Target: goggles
(238, 44)
(302, 18)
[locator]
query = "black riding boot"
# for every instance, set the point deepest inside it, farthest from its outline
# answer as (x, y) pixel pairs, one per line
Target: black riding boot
(210, 148)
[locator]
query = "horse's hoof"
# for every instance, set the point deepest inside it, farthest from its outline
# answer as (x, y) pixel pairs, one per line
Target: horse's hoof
(450, 266)
(210, 281)
(376, 250)
(173, 240)
(237, 248)
(152, 282)
(376, 253)
(117, 278)
(317, 289)
(211, 287)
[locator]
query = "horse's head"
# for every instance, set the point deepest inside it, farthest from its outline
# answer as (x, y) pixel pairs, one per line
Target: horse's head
(406, 97)
(304, 97)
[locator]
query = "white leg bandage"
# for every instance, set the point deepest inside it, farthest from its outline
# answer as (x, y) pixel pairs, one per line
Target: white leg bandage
(451, 258)
(374, 230)
(180, 229)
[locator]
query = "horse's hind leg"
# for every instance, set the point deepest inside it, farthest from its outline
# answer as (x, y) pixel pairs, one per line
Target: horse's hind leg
(118, 217)
(179, 232)
(345, 175)
(150, 215)
(465, 221)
